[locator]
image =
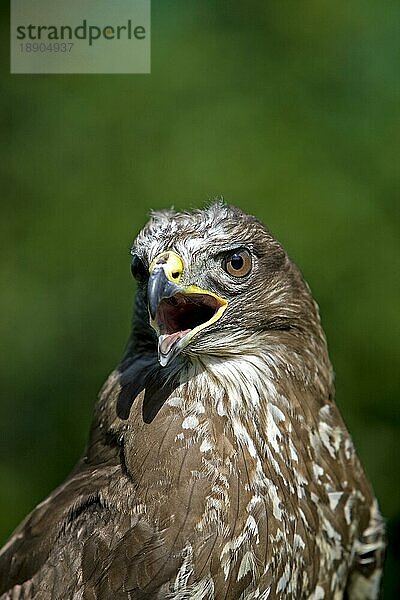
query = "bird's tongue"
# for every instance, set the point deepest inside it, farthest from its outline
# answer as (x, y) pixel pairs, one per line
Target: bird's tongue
(167, 342)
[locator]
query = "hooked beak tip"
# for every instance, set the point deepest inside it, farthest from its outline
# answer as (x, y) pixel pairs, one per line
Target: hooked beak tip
(159, 287)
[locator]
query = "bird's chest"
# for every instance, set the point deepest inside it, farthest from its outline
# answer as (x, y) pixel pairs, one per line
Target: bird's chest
(222, 495)
(183, 463)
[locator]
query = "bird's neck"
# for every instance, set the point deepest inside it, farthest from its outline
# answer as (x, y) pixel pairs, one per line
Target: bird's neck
(231, 398)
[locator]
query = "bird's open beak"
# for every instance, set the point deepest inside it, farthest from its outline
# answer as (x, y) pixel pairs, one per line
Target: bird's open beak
(178, 312)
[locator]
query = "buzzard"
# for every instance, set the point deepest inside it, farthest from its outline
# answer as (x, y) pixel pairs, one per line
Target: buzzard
(218, 465)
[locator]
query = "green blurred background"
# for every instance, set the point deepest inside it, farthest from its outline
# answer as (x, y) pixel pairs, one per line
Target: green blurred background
(288, 109)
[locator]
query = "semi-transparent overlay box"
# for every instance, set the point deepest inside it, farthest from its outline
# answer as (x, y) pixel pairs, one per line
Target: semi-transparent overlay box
(80, 36)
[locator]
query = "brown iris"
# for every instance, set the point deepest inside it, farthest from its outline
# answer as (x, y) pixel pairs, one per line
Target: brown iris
(238, 263)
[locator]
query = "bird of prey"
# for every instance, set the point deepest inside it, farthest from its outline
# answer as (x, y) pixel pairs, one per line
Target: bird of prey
(218, 465)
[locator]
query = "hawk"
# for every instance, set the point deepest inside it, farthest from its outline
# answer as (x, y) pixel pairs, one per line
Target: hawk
(218, 465)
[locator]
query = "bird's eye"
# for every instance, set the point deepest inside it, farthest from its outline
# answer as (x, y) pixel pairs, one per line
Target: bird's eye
(238, 263)
(138, 269)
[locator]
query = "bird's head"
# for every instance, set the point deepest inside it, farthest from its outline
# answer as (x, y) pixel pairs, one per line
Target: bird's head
(216, 282)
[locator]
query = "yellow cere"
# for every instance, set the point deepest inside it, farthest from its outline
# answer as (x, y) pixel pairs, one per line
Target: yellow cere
(171, 263)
